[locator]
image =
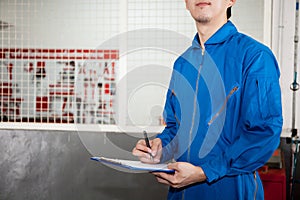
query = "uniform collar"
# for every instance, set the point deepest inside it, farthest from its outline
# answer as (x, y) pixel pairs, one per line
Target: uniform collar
(220, 36)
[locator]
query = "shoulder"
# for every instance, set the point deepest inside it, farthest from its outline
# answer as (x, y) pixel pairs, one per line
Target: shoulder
(248, 46)
(183, 58)
(249, 49)
(255, 57)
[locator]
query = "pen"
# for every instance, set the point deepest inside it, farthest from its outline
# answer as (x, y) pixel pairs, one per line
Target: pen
(147, 143)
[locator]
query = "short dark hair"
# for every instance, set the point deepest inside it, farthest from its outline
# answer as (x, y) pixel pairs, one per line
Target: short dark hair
(228, 12)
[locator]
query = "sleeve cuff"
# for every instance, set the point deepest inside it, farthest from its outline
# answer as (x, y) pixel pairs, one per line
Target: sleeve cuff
(215, 169)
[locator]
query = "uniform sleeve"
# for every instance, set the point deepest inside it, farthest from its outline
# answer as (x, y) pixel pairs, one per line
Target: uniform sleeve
(168, 134)
(260, 122)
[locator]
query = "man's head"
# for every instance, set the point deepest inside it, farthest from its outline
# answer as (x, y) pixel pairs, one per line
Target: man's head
(205, 11)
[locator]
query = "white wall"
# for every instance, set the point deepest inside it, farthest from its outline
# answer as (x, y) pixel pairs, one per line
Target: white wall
(86, 24)
(249, 17)
(59, 24)
(283, 43)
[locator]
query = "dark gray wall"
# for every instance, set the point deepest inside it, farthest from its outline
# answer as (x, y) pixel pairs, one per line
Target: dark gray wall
(56, 165)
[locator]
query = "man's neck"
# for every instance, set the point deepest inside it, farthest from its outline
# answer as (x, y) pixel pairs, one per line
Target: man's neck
(206, 30)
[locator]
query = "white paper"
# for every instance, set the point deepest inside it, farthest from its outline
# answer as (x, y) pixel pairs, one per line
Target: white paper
(135, 165)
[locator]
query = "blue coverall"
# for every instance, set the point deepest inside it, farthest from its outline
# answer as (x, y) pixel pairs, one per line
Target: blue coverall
(223, 113)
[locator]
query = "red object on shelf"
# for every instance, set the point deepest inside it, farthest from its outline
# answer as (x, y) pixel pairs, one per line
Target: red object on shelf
(5, 89)
(41, 104)
(61, 86)
(274, 183)
(61, 94)
(106, 90)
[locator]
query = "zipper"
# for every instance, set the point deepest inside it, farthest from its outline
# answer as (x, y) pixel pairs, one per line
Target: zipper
(195, 103)
(224, 105)
(256, 185)
(177, 120)
(194, 111)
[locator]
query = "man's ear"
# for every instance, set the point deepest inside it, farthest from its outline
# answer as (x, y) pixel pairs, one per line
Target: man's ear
(186, 2)
(231, 3)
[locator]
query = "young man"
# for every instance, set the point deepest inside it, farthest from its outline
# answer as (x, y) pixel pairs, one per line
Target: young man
(223, 112)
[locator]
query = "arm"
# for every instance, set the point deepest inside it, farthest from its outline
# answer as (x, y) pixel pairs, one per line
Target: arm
(162, 147)
(170, 131)
(259, 125)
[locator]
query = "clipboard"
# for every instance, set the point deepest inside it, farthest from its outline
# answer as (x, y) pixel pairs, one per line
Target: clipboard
(135, 165)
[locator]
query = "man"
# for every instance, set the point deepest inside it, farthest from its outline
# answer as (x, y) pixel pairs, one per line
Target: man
(218, 140)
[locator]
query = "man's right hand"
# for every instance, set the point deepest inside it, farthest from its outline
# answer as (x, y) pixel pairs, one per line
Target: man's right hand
(143, 152)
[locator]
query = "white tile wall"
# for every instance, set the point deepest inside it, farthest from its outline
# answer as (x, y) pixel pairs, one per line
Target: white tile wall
(87, 23)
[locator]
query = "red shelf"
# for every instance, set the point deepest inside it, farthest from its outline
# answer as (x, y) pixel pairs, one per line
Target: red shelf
(274, 183)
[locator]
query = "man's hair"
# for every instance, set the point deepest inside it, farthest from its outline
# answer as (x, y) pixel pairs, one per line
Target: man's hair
(228, 12)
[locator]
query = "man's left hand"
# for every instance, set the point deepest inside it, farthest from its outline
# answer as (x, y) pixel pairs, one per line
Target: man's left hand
(185, 174)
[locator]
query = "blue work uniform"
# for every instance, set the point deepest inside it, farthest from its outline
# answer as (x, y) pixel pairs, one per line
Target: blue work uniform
(223, 113)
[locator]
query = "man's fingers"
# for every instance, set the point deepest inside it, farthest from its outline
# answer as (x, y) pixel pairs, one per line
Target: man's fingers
(161, 180)
(141, 145)
(174, 166)
(149, 159)
(167, 179)
(163, 175)
(145, 154)
(139, 153)
(155, 146)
